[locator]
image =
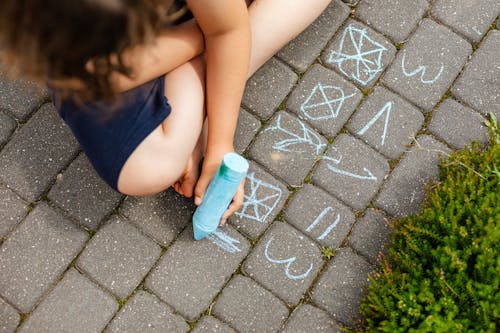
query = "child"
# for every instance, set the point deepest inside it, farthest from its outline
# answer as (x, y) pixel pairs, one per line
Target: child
(110, 64)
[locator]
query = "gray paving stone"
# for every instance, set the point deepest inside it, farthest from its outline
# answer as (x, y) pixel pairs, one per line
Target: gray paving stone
(7, 126)
(118, 257)
(75, 305)
(34, 156)
(144, 313)
(250, 308)
(191, 273)
(479, 84)
(83, 194)
(403, 193)
(247, 127)
(428, 64)
(12, 210)
(9, 318)
(324, 99)
(211, 324)
(20, 97)
(162, 216)
(386, 122)
(307, 318)
(301, 52)
(342, 287)
(458, 125)
(264, 198)
(35, 254)
(285, 262)
(370, 235)
(396, 19)
(288, 148)
(470, 18)
(320, 216)
(268, 87)
(359, 53)
(351, 171)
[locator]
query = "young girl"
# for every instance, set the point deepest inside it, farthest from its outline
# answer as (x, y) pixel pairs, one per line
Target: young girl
(112, 64)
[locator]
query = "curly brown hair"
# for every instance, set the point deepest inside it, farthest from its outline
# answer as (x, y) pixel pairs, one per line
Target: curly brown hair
(77, 39)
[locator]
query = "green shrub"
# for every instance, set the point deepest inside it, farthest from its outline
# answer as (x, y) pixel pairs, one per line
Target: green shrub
(443, 269)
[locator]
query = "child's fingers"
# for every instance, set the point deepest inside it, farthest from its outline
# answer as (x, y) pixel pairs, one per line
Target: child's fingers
(200, 188)
(236, 204)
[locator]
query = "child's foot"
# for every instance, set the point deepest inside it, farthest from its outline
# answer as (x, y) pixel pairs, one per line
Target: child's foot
(186, 183)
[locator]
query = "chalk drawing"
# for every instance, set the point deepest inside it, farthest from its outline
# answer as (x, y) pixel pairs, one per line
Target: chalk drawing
(421, 69)
(288, 262)
(329, 107)
(387, 108)
(355, 46)
(255, 206)
(319, 218)
(307, 137)
(367, 176)
(224, 241)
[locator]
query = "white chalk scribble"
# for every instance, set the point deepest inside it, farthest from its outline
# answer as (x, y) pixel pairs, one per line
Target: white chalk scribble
(319, 219)
(420, 69)
(261, 200)
(295, 142)
(331, 101)
(357, 48)
(224, 241)
(288, 262)
(367, 176)
(387, 108)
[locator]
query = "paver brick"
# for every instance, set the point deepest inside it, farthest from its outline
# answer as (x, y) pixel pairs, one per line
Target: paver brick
(209, 324)
(191, 273)
(285, 262)
(250, 308)
(288, 148)
(324, 99)
(264, 198)
(396, 19)
(162, 216)
(471, 18)
(7, 126)
(307, 318)
(301, 52)
(118, 257)
(144, 313)
(83, 194)
(458, 125)
(342, 287)
(75, 305)
(268, 87)
(9, 318)
(370, 235)
(428, 64)
(21, 97)
(34, 156)
(359, 53)
(386, 122)
(351, 171)
(479, 84)
(247, 127)
(403, 193)
(320, 216)
(35, 254)
(12, 210)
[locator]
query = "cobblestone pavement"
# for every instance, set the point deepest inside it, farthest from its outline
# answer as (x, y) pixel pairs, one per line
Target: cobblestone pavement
(343, 127)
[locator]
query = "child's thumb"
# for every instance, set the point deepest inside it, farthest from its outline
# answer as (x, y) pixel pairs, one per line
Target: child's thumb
(199, 190)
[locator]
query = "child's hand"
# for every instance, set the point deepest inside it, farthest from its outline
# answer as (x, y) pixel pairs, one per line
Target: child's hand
(213, 159)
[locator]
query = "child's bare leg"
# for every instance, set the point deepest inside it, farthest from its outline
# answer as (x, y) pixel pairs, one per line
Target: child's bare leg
(164, 158)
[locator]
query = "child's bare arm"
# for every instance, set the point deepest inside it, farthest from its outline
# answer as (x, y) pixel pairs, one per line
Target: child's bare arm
(226, 27)
(171, 48)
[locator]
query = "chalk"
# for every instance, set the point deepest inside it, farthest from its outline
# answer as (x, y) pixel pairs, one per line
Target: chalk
(220, 192)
